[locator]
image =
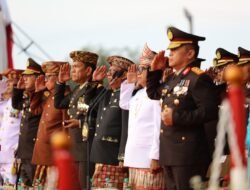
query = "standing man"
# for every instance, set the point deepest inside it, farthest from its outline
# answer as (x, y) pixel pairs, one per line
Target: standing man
(77, 104)
(9, 128)
(142, 148)
(188, 102)
(51, 119)
(106, 143)
(24, 96)
(244, 63)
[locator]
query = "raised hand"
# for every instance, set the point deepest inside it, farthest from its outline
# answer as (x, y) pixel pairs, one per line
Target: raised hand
(132, 74)
(159, 62)
(100, 73)
(20, 83)
(40, 83)
(64, 73)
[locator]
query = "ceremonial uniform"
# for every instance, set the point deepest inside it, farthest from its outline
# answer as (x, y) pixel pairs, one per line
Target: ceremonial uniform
(9, 133)
(143, 133)
(9, 128)
(184, 149)
(77, 104)
(244, 62)
(107, 138)
(50, 122)
(21, 100)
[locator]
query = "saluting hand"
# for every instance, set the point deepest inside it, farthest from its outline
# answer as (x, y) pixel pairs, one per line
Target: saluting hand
(132, 74)
(64, 73)
(167, 116)
(71, 123)
(40, 83)
(20, 83)
(100, 73)
(159, 62)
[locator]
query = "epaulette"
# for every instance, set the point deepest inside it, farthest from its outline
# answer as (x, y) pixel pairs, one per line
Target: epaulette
(197, 70)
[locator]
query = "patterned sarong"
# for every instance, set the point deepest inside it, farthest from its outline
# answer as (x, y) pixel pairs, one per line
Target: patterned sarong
(143, 179)
(115, 174)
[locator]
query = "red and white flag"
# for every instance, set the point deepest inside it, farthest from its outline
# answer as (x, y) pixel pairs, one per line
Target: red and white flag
(6, 42)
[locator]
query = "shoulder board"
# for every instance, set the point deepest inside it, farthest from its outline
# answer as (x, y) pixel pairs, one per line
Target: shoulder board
(197, 70)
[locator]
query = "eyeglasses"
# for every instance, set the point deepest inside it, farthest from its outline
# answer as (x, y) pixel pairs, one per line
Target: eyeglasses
(49, 76)
(140, 69)
(112, 71)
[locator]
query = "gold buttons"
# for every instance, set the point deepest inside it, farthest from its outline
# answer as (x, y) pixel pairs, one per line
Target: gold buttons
(183, 138)
(95, 134)
(34, 139)
(97, 125)
(161, 131)
(176, 102)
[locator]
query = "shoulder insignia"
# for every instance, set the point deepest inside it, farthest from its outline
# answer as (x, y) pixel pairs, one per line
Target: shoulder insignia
(197, 70)
(186, 71)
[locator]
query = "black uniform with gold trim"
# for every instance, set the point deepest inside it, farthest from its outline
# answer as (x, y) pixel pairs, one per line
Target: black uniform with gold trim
(22, 100)
(106, 143)
(80, 95)
(184, 147)
(192, 97)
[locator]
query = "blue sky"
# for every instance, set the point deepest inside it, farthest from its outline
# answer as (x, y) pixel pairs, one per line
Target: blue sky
(61, 26)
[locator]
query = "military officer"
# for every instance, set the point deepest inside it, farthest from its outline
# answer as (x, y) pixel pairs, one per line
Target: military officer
(244, 60)
(77, 104)
(9, 128)
(24, 96)
(51, 119)
(106, 143)
(244, 63)
(188, 102)
(222, 60)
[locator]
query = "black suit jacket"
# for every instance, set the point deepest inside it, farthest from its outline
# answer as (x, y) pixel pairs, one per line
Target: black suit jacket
(194, 101)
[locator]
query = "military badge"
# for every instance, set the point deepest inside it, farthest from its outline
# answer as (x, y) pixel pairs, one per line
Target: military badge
(82, 106)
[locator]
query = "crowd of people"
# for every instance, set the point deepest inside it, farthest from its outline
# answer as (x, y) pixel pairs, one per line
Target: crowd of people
(154, 125)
